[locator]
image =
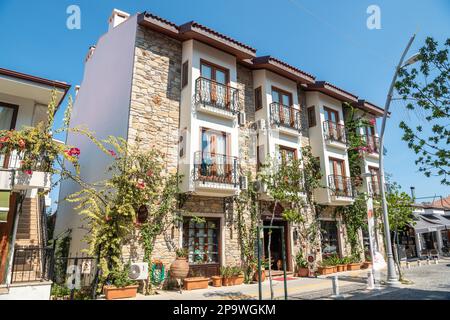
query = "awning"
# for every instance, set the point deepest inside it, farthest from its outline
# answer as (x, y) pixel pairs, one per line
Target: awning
(424, 225)
(444, 220)
(4, 205)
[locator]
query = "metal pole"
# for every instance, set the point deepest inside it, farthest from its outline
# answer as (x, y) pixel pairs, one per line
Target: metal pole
(284, 263)
(391, 276)
(258, 230)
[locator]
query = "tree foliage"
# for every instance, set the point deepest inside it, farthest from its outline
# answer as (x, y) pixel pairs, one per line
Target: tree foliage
(426, 90)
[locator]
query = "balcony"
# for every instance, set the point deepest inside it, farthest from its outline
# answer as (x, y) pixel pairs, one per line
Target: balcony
(335, 134)
(373, 144)
(286, 118)
(12, 178)
(216, 98)
(342, 189)
(215, 173)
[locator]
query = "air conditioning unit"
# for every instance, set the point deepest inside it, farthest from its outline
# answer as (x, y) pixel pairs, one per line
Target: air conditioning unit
(259, 125)
(260, 187)
(243, 181)
(138, 271)
(242, 118)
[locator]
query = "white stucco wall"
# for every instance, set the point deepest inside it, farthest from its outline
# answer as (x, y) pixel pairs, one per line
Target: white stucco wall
(102, 104)
(40, 291)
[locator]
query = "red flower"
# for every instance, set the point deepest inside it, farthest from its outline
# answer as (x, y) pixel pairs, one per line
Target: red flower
(72, 152)
(372, 121)
(29, 172)
(140, 185)
(112, 153)
(149, 173)
(4, 139)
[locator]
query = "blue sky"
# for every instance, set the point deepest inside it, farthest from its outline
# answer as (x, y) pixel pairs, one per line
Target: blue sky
(326, 38)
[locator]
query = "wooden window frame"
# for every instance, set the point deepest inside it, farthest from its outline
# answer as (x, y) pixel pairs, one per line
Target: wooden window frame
(331, 110)
(311, 116)
(227, 154)
(291, 103)
(371, 170)
(214, 67)
(289, 149)
(258, 98)
(185, 74)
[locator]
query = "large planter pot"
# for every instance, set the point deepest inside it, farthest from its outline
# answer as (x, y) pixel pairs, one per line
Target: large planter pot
(195, 283)
(341, 267)
(112, 292)
(325, 270)
(353, 266)
(302, 272)
(263, 276)
(335, 269)
(216, 281)
(237, 280)
(226, 281)
(179, 269)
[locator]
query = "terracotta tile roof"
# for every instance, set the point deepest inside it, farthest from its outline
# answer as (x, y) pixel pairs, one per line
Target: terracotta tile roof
(445, 203)
(268, 59)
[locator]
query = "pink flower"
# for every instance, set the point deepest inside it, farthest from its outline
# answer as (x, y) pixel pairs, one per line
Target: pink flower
(140, 184)
(29, 172)
(112, 153)
(4, 139)
(149, 173)
(108, 218)
(372, 121)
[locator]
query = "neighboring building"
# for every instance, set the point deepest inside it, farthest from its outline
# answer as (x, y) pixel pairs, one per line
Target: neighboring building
(198, 96)
(23, 102)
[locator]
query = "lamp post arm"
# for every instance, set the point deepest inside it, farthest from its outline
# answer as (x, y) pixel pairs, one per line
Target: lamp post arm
(391, 276)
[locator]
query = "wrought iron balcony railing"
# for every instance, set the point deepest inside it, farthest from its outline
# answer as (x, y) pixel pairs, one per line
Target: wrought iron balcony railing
(217, 95)
(341, 186)
(334, 131)
(373, 143)
(282, 115)
(213, 167)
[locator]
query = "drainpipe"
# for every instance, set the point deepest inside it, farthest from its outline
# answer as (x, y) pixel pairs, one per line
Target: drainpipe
(413, 194)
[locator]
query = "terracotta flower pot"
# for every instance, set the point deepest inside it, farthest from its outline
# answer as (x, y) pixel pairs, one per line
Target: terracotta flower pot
(112, 292)
(303, 272)
(179, 269)
(366, 264)
(216, 281)
(335, 269)
(195, 283)
(341, 267)
(353, 266)
(226, 281)
(238, 280)
(325, 270)
(256, 276)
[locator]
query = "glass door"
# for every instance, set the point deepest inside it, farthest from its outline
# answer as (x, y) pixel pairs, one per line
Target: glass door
(217, 86)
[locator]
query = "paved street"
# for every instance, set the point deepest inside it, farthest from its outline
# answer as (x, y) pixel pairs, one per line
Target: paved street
(431, 282)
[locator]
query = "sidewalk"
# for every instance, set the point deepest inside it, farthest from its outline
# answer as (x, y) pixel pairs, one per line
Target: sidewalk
(350, 280)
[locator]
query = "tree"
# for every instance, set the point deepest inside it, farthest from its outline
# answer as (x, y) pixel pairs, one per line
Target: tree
(427, 92)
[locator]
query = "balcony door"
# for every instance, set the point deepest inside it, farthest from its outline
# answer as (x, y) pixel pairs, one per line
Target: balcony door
(332, 123)
(215, 85)
(337, 170)
(8, 117)
(375, 182)
(370, 138)
(284, 101)
(215, 155)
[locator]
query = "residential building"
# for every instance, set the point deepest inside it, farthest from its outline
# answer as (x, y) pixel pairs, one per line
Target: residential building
(216, 110)
(23, 102)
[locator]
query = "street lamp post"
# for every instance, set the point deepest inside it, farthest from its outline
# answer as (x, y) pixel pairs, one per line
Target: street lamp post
(391, 276)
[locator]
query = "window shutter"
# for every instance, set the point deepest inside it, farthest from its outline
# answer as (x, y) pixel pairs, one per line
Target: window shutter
(258, 98)
(312, 116)
(185, 73)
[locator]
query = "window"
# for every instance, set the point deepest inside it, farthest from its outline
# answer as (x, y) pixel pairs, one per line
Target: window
(258, 98)
(185, 74)
(330, 242)
(215, 164)
(214, 72)
(312, 116)
(331, 115)
(8, 116)
(201, 240)
(286, 154)
(339, 182)
(375, 180)
(281, 97)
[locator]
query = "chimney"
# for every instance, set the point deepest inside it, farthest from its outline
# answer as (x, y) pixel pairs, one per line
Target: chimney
(116, 18)
(90, 53)
(413, 193)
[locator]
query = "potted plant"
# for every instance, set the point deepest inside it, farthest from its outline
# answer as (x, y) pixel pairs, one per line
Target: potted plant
(197, 282)
(263, 274)
(237, 276)
(341, 265)
(325, 267)
(120, 286)
(226, 276)
(216, 281)
(179, 269)
(354, 263)
(368, 263)
(302, 265)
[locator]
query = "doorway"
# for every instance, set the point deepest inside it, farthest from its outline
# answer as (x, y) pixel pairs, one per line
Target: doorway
(277, 245)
